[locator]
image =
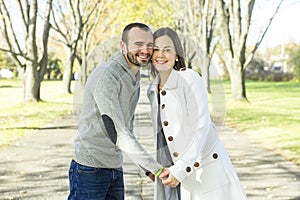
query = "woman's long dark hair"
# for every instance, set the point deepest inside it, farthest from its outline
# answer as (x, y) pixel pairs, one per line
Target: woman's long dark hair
(180, 64)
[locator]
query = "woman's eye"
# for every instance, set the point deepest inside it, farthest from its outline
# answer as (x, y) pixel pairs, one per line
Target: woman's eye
(155, 49)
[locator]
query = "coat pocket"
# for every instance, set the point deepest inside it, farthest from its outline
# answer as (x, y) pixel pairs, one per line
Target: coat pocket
(208, 177)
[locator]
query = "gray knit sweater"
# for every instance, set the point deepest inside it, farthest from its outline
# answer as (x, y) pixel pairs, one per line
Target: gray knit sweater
(112, 89)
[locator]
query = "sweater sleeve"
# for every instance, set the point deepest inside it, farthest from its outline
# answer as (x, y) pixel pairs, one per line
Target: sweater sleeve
(107, 98)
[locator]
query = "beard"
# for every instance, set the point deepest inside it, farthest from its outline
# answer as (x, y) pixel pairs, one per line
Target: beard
(133, 58)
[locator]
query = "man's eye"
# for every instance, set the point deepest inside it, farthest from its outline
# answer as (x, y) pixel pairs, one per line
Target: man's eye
(138, 44)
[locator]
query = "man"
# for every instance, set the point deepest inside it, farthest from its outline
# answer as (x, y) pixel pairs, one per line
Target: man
(105, 128)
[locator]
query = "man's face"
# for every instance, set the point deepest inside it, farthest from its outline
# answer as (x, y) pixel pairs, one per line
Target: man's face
(139, 48)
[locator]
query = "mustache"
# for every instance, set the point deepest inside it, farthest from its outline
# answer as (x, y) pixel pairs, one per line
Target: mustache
(144, 54)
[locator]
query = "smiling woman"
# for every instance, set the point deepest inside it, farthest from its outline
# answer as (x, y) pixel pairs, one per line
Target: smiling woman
(197, 164)
(164, 54)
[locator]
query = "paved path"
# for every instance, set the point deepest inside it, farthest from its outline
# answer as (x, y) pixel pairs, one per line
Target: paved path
(36, 167)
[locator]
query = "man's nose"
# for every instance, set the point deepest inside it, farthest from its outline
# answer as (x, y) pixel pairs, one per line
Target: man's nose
(145, 49)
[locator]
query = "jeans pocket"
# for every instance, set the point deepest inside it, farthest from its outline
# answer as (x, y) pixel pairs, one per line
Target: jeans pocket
(87, 170)
(70, 173)
(71, 170)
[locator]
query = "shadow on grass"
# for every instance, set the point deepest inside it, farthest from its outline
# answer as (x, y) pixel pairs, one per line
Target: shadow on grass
(43, 128)
(6, 86)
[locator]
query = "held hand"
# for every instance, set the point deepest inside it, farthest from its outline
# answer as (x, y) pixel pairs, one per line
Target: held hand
(164, 174)
(169, 180)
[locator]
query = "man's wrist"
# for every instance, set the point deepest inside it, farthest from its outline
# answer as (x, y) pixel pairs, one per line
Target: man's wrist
(147, 173)
(158, 172)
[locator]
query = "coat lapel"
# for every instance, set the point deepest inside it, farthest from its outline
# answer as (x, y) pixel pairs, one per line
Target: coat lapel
(172, 81)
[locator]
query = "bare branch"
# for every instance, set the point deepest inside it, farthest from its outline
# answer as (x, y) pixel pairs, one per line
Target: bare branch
(262, 35)
(13, 53)
(44, 59)
(92, 11)
(61, 26)
(24, 14)
(59, 40)
(7, 19)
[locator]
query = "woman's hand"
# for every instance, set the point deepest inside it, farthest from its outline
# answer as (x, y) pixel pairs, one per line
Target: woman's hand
(168, 179)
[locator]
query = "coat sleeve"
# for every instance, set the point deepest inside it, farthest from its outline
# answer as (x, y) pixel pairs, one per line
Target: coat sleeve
(198, 118)
(106, 95)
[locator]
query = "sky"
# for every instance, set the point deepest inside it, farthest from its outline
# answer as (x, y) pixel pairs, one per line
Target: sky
(285, 25)
(284, 28)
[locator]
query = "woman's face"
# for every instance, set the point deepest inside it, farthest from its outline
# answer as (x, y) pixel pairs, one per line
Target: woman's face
(164, 54)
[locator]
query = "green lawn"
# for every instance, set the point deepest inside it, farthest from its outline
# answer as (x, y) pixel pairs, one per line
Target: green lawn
(272, 116)
(16, 118)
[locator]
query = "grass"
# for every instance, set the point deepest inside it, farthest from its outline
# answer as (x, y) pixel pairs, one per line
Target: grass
(17, 118)
(272, 116)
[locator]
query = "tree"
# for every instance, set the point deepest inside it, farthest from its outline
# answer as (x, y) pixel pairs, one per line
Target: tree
(32, 55)
(76, 23)
(256, 69)
(5, 61)
(154, 13)
(235, 17)
(97, 20)
(234, 26)
(67, 22)
(293, 50)
(197, 24)
(53, 69)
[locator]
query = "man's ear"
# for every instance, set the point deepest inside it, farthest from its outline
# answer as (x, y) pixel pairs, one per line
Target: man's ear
(123, 46)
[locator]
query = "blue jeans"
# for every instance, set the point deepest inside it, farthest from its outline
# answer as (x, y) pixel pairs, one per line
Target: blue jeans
(89, 183)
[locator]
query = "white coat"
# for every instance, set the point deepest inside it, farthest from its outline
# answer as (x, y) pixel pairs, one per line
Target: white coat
(201, 163)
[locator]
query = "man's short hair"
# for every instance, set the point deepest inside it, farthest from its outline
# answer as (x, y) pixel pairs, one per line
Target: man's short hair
(130, 26)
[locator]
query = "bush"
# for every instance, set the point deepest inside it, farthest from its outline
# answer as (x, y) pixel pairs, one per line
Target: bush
(279, 76)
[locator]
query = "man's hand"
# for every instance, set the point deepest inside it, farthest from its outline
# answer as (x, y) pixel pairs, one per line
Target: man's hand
(168, 179)
(151, 176)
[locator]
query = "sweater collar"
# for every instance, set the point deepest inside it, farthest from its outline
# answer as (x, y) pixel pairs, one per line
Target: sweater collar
(119, 58)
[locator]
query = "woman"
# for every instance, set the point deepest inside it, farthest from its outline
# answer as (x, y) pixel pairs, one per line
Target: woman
(198, 164)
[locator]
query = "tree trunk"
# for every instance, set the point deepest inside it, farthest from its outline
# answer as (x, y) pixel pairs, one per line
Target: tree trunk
(208, 80)
(32, 83)
(27, 58)
(234, 28)
(83, 69)
(68, 70)
(31, 73)
(238, 89)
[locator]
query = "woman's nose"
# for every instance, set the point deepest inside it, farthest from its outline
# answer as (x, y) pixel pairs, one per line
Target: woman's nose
(160, 53)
